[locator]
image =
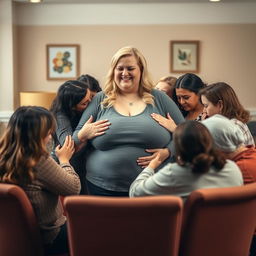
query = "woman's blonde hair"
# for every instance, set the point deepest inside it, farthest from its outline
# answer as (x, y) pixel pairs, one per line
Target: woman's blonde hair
(171, 80)
(146, 85)
(22, 145)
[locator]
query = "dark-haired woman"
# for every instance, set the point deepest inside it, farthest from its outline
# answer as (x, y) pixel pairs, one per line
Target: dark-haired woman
(91, 82)
(186, 92)
(198, 166)
(186, 96)
(72, 99)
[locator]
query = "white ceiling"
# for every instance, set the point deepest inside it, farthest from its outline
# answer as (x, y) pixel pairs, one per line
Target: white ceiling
(134, 1)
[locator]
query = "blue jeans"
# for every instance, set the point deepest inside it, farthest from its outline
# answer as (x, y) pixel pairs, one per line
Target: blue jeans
(98, 191)
(60, 244)
(253, 246)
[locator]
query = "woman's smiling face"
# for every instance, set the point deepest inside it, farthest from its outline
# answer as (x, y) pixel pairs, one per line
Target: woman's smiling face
(127, 74)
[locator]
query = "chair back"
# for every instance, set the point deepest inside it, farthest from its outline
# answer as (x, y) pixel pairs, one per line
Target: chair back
(219, 221)
(123, 226)
(19, 232)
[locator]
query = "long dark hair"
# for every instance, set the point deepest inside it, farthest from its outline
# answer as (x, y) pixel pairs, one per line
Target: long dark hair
(190, 82)
(22, 144)
(194, 145)
(91, 82)
(68, 96)
(232, 108)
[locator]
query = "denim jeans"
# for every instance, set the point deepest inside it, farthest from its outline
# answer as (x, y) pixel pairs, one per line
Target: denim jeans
(60, 244)
(253, 246)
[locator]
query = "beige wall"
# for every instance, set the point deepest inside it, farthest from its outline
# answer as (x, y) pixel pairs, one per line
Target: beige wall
(6, 56)
(227, 52)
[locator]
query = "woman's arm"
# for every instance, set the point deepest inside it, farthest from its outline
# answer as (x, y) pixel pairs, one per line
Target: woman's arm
(167, 123)
(86, 129)
(64, 128)
(165, 106)
(91, 130)
(58, 179)
(150, 183)
(162, 153)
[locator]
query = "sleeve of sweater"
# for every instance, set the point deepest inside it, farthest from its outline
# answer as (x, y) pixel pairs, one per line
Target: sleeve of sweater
(92, 110)
(63, 128)
(58, 179)
(149, 183)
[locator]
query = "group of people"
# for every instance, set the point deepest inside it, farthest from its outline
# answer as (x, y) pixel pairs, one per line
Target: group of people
(130, 139)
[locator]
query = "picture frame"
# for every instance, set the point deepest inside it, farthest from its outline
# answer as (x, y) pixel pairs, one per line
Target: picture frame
(184, 56)
(62, 61)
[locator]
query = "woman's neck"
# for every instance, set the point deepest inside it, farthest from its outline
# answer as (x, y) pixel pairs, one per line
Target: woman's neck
(128, 94)
(193, 114)
(134, 96)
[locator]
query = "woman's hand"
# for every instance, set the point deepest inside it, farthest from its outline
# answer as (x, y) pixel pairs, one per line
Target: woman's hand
(65, 152)
(167, 123)
(162, 153)
(154, 163)
(204, 115)
(91, 130)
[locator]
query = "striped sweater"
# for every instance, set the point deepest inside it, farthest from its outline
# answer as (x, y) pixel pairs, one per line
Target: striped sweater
(52, 180)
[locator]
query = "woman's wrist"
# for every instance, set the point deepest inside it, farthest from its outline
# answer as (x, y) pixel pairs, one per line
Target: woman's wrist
(82, 136)
(63, 160)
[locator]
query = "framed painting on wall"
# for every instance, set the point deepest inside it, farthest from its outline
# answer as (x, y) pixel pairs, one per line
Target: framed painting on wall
(184, 57)
(62, 61)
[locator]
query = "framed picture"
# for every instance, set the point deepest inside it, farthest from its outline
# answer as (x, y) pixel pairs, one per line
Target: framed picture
(62, 61)
(184, 56)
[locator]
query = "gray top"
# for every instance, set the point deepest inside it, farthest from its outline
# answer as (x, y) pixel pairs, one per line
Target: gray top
(178, 180)
(63, 129)
(66, 127)
(112, 162)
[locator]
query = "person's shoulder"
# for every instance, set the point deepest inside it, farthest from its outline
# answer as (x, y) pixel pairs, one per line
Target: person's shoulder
(231, 164)
(236, 121)
(248, 154)
(98, 97)
(60, 114)
(44, 160)
(175, 169)
(157, 93)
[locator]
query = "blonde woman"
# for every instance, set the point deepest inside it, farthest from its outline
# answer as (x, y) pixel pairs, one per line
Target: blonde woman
(167, 85)
(133, 138)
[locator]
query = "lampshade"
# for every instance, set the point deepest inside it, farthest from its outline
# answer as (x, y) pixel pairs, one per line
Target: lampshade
(34, 98)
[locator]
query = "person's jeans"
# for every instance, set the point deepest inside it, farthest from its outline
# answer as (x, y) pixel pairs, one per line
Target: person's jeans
(253, 246)
(60, 244)
(98, 191)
